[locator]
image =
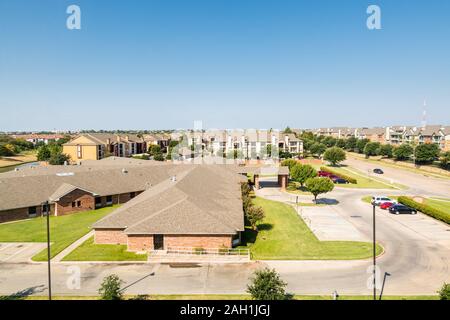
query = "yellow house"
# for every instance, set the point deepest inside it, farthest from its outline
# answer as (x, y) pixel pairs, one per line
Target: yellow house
(84, 147)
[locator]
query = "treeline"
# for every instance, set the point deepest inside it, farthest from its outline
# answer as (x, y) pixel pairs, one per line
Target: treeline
(426, 153)
(11, 147)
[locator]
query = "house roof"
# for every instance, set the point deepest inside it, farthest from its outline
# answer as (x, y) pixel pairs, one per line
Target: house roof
(203, 199)
(65, 189)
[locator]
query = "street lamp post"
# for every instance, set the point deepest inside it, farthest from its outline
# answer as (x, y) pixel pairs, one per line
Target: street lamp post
(374, 257)
(47, 211)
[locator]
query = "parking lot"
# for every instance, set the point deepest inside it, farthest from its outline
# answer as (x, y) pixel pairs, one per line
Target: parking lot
(17, 252)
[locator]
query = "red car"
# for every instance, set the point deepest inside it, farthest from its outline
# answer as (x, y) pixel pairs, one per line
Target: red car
(324, 174)
(386, 205)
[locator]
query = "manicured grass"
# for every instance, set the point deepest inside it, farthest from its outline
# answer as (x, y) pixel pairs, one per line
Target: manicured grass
(295, 188)
(284, 236)
(227, 297)
(439, 204)
(89, 251)
(64, 230)
(8, 163)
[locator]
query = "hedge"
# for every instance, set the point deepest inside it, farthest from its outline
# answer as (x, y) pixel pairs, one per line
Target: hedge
(426, 209)
(343, 176)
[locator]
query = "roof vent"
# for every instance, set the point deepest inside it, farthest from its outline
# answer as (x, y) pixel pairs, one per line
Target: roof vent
(173, 178)
(124, 171)
(16, 169)
(65, 174)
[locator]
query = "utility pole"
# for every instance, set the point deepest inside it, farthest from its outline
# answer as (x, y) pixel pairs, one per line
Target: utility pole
(374, 257)
(47, 210)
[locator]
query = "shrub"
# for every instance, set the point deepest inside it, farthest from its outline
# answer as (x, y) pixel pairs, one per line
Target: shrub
(199, 250)
(426, 209)
(343, 176)
(444, 292)
(254, 215)
(266, 284)
(302, 172)
(110, 288)
(289, 163)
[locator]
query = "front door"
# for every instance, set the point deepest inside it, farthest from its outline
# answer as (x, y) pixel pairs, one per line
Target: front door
(158, 242)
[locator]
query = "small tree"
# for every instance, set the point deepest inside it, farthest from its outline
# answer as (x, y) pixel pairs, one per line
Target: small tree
(445, 160)
(43, 153)
(289, 163)
(319, 185)
(246, 203)
(341, 143)
(350, 144)
(58, 159)
(334, 155)
(386, 150)
(302, 172)
(444, 292)
(361, 144)
(110, 288)
(254, 215)
(154, 149)
(266, 284)
(427, 153)
(317, 149)
(371, 149)
(403, 152)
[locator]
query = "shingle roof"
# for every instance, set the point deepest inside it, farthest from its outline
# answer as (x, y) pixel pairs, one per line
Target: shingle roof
(65, 189)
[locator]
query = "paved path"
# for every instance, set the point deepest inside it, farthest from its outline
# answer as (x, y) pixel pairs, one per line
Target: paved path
(72, 247)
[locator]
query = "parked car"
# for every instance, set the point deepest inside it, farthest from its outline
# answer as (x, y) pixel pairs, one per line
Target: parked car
(378, 171)
(324, 174)
(338, 180)
(400, 208)
(386, 205)
(378, 200)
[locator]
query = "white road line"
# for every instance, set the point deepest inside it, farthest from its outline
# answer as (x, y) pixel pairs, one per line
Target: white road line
(8, 245)
(27, 246)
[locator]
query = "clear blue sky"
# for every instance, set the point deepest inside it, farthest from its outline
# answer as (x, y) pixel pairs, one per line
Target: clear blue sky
(231, 63)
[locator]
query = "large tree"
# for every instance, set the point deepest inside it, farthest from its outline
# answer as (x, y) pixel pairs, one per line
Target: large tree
(319, 185)
(317, 149)
(445, 160)
(361, 144)
(427, 153)
(371, 149)
(266, 284)
(403, 151)
(350, 144)
(386, 150)
(334, 155)
(302, 172)
(289, 163)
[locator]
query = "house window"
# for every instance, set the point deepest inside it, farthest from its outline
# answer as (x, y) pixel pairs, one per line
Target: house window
(78, 203)
(73, 204)
(32, 211)
(132, 195)
(79, 151)
(45, 209)
(109, 200)
(98, 202)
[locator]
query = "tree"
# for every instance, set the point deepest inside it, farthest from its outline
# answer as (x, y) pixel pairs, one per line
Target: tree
(289, 163)
(317, 149)
(361, 144)
(427, 153)
(386, 150)
(285, 155)
(58, 158)
(444, 292)
(371, 149)
(254, 215)
(341, 143)
(350, 144)
(110, 288)
(403, 152)
(319, 185)
(154, 149)
(445, 160)
(334, 155)
(5, 151)
(329, 141)
(287, 130)
(266, 284)
(43, 153)
(302, 172)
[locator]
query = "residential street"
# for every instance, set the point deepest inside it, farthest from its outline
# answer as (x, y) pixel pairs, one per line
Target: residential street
(417, 256)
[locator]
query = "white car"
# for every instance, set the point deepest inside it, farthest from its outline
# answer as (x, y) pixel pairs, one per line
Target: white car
(377, 200)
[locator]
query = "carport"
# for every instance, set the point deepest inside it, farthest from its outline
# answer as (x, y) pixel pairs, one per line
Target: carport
(267, 171)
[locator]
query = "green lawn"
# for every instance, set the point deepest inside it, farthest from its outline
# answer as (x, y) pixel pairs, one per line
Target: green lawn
(368, 199)
(64, 230)
(89, 251)
(284, 236)
(439, 204)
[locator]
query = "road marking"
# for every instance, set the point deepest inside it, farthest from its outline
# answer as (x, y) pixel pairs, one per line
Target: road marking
(26, 246)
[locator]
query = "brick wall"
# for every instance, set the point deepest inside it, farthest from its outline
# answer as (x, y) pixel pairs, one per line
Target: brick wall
(198, 241)
(140, 242)
(20, 214)
(64, 205)
(110, 236)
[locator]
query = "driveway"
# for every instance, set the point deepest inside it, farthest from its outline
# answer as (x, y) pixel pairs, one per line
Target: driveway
(16, 252)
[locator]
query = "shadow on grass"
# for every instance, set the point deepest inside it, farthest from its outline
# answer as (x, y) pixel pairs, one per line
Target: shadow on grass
(22, 294)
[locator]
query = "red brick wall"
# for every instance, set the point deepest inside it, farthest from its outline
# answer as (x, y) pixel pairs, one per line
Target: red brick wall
(198, 241)
(21, 213)
(110, 236)
(64, 205)
(140, 242)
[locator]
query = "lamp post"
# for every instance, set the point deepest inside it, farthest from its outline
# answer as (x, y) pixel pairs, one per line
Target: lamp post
(374, 256)
(47, 211)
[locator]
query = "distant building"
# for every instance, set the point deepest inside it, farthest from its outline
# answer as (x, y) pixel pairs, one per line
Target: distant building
(39, 138)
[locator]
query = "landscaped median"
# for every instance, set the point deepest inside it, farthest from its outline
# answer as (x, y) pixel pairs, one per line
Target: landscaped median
(64, 230)
(283, 235)
(429, 208)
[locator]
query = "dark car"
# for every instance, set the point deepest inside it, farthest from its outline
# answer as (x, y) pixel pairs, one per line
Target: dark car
(400, 209)
(339, 180)
(378, 171)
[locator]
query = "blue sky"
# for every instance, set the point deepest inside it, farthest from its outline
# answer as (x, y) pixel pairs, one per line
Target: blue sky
(231, 63)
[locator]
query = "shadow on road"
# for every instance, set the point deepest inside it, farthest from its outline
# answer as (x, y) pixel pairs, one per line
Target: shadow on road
(22, 294)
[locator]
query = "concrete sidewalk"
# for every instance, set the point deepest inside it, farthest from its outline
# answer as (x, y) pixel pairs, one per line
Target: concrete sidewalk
(72, 247)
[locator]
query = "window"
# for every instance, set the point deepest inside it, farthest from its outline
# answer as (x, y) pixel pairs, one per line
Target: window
(32, 211)
(79, 151)
(78, 203)
(109, 200)
(73, 204)
(132, 195)
(45, 209)
(98, 202)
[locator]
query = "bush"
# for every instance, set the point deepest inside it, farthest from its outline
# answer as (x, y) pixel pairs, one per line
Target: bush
(289, 163)
(110, 288)
(267, 285)
(426, 209)
(444, 293)
(254, 215)
(343, 176)
(199, 250)
(302, 172)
